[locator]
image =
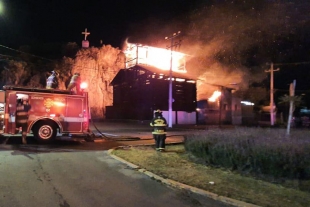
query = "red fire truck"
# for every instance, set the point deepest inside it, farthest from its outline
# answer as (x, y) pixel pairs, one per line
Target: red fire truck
(53, 112)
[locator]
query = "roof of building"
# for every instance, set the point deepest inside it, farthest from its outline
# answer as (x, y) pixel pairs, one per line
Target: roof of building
(165, 72)
(152, 69)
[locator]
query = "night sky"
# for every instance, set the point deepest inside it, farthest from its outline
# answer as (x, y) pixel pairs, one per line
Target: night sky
(28, 21)
(232, 40)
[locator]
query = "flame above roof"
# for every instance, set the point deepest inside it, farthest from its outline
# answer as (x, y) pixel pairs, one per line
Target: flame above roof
(138, 54)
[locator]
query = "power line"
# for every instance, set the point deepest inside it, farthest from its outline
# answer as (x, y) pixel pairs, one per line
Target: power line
(3, 55)
(25, 53)
(37, 57)
(72, 64)
(306, 90)
(296, 63)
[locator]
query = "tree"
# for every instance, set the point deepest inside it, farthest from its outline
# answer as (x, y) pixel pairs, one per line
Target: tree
(64, 69)
(16, 73)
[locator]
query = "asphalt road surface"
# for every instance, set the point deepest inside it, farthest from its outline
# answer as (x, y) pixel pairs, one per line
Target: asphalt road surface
(73, 174)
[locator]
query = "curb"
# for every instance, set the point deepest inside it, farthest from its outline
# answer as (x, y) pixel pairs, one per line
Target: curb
(179, 185)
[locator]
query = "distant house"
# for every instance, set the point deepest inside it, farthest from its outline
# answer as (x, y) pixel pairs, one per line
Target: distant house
(224, 109)
(141, 89)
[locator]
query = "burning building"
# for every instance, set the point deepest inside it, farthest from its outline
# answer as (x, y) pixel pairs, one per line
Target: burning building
(143, 86)
(220, 108)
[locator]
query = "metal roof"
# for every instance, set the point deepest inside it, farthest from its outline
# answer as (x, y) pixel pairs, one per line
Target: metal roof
(165, 72)
(154, 70)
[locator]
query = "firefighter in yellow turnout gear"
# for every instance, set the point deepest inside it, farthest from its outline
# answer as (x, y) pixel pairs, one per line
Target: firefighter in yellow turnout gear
(22, 117)
(75, 82)
(159, 125)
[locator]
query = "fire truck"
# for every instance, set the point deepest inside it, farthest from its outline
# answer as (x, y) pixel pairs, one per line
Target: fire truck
(53, 112)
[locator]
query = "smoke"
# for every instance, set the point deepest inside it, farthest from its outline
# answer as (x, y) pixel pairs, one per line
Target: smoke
(234, 41)
(231, 42)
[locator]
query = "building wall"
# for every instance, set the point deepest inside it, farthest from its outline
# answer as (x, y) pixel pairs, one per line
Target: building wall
(225, 110)
(181, 117)
(139, 93)
(236, 111)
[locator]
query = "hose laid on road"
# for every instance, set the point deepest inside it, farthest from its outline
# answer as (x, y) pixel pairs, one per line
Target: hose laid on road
(103, 136)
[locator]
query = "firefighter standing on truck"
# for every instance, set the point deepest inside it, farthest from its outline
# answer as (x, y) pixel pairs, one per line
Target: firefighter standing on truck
(22, 116)
(159, 125)
(75, 82)
(52, 81)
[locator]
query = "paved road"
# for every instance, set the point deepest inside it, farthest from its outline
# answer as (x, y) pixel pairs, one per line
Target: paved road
(80, 178)
(82, 174)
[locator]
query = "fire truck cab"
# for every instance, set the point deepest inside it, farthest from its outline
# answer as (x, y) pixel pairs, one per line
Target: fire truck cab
(53, 112)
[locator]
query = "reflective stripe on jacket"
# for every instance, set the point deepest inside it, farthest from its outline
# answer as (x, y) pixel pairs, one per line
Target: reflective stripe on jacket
(22, 113)
(51, 81)
(75, 79)
(159, 124)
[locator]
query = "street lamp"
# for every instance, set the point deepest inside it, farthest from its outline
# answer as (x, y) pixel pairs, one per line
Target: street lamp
(1, 7)
(170, 76)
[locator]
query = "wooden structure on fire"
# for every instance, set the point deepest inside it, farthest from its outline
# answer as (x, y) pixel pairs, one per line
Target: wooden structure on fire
(141, 89)
(227, 109)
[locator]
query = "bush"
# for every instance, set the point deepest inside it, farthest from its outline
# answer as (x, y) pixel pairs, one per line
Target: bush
(254, 150)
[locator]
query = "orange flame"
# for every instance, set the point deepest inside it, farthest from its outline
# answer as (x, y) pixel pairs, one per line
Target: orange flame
(214, 96)
(153, 56)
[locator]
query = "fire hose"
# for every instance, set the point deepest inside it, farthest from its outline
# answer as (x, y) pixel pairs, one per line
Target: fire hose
(103, 136)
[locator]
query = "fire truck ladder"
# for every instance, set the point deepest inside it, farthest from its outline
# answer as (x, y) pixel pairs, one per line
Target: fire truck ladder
(41, 90)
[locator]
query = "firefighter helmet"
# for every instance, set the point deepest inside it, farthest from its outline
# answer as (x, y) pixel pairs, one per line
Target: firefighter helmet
(158, 112)
(54, 72)
(25, 98)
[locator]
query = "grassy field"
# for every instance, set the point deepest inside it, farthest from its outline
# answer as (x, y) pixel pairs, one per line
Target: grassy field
(178, 165)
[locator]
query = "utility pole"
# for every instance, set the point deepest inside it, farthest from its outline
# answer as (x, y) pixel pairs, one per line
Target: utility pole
(170, 76)
(271, 93)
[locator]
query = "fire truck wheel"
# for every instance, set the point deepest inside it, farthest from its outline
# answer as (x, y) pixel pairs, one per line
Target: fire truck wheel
(45, 132)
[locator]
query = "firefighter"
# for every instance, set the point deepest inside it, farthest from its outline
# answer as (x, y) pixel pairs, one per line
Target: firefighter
(52, 81)
(22, 110)
(159, 125)
(75, 82)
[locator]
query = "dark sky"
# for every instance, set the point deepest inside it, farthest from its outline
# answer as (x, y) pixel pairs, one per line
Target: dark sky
(28, 21)
(235, 37)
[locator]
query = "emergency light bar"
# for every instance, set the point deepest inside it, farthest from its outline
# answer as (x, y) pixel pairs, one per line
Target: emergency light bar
(83, 85)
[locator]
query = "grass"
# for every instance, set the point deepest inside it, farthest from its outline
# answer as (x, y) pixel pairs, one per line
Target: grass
(256, 151)
(178, 165)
